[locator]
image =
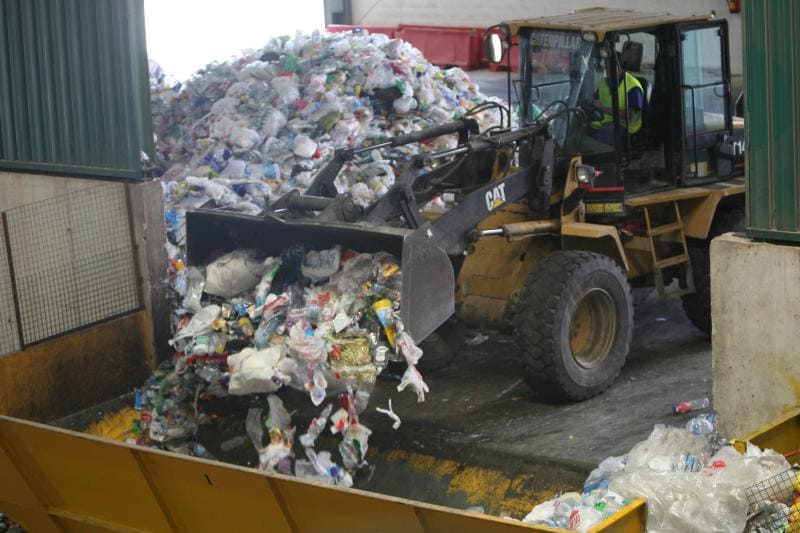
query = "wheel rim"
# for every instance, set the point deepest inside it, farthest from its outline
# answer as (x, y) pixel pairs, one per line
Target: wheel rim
(592, 328)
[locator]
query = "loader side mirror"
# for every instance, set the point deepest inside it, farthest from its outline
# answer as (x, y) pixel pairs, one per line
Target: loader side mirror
(493, 47)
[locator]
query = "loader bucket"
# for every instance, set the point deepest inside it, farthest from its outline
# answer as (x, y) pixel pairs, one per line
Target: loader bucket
(428, 277)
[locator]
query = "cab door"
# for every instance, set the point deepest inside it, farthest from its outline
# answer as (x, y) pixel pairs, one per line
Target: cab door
(704, 76)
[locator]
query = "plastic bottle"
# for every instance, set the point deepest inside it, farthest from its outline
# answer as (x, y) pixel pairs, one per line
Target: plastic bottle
(691, 405)
(701, 425)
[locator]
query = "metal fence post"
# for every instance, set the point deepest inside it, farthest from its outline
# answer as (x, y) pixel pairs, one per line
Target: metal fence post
(13, 279)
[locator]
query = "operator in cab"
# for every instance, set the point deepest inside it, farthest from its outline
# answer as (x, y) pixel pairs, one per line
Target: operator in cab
(630, 98)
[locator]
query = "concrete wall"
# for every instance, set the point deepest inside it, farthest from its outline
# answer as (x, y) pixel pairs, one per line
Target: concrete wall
(483, 14)
(17, 188)
(74, 372)
(755, 290)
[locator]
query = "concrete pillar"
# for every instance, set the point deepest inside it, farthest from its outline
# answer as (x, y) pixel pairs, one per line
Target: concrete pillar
(149, 233)
(755, 308)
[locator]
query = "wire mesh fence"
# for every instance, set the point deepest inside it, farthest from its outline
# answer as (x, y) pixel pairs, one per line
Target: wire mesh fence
(770, 504)
(74, 261)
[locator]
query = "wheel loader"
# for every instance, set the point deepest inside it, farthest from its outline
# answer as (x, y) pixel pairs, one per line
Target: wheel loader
(553, 217)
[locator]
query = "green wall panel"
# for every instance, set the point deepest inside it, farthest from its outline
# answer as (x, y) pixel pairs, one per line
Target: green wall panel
(772, 117)
(74, 95)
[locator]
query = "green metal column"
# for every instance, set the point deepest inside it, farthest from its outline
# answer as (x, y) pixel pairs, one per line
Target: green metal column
(772, 117)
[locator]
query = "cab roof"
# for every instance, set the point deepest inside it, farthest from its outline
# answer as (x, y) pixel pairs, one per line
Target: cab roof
(601, 20)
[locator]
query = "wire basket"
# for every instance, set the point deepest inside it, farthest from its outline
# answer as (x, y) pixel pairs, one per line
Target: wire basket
(769, 504)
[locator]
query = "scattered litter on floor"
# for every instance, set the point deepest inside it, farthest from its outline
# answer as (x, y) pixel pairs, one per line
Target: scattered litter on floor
(391, 414)
(691, 405)
(691, 478)
(477, 339)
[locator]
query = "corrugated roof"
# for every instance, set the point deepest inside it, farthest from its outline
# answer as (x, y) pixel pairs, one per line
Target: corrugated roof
(601, 20)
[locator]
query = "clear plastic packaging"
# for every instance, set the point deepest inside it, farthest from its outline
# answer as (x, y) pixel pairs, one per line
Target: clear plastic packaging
(194, 289)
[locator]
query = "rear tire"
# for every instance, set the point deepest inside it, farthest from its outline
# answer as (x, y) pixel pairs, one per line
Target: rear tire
(697, 305)
(573, 325)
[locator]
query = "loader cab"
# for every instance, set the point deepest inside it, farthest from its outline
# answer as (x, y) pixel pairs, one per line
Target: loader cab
(643, 98)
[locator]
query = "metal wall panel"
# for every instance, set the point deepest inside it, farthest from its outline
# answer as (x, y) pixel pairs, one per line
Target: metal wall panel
(74, 94)
(772, 117)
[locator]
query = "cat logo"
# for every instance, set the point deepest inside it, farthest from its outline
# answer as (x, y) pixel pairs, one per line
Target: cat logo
(496, 197)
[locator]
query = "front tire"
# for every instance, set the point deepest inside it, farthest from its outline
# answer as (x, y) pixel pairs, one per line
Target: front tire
(573, 325)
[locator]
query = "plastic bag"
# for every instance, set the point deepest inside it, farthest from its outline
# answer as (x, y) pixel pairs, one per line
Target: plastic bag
(414, 378)
(406, 346)
(233, 274)
(254, 427)
(279, 417)
(354, 446)
(315, 427)
(328, 470)
(310, 349)
(710, 500)
(200, 323)
(259, 371)
(669, 449)
(194, 290)
(322, 264)
(600, 476)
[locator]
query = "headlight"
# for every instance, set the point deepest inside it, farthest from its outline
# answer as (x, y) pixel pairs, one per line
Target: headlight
(585, 173)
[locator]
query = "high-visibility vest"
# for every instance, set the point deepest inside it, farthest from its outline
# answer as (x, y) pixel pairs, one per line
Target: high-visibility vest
(604, 94)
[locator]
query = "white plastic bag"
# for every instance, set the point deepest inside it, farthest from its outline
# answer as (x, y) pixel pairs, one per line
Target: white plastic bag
(259, 371)
(200, 323)
(233, 274)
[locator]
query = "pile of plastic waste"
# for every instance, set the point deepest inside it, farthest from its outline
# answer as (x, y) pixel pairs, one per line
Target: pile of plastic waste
(691, 478)
(321, 321)
(244, 132)
(239, 135)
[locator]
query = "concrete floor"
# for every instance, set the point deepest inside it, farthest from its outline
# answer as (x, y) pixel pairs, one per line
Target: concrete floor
(482, 402)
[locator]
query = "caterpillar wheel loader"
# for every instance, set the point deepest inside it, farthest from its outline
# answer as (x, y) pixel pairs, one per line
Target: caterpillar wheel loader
(553, 219)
